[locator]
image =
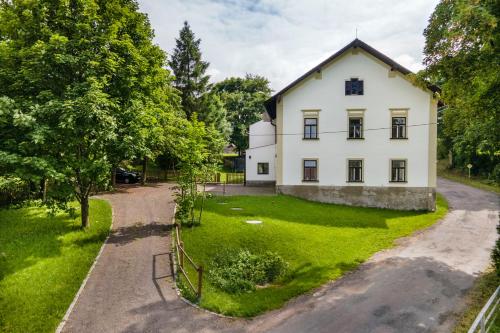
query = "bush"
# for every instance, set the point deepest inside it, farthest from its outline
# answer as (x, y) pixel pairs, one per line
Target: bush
(495, 175)
(13, 190)
(496, 253)
(236, 272)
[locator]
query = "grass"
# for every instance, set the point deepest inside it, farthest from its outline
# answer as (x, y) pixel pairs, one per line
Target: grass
(458, 176)
(43, 261)
(321, 242)
(482, 290)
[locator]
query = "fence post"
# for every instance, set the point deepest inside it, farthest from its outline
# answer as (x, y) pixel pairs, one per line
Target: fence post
(200, 279)
(181, 254)
(483, 325)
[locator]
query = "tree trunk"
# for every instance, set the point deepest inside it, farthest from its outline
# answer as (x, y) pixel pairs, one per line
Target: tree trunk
(84, 204)
(43, 189)
(113, 176)
(144, 170)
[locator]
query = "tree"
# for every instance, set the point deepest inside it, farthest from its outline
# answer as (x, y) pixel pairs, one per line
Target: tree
(215, 115)
(244, 100)
(461, 52)
(83, 88)
(190, 79)
(189, 71)
(195, 152)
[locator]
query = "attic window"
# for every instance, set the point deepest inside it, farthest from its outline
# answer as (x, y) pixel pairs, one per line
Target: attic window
(354, 87)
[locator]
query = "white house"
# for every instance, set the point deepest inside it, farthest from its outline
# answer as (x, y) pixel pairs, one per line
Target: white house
(353, 130)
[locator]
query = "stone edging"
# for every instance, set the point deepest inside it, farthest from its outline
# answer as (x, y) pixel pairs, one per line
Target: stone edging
(84, 283)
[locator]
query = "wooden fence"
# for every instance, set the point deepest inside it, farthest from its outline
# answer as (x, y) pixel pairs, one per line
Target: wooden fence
(181, 260)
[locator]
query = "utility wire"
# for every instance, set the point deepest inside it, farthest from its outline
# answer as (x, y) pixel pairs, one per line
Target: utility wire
(344, 131)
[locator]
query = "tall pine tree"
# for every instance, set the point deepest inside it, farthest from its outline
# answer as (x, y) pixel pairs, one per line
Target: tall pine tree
(189, 71)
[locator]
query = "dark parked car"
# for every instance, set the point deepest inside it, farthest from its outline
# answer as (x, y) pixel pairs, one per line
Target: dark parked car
(127, 177)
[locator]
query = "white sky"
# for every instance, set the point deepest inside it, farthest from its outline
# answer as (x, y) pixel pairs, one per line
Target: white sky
(282, 39)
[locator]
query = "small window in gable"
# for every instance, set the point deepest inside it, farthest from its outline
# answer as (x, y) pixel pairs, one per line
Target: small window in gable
(354, 87)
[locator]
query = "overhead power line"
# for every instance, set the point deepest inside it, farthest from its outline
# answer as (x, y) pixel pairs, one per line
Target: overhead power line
(343, 131)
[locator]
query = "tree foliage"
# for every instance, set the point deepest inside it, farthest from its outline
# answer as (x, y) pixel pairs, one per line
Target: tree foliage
(462, 54)
(244, 99)
(192, 82)
(83, 87)
(195, 150)
(189, 71)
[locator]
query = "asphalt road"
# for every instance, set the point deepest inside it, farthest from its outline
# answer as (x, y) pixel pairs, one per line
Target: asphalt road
(414, 287)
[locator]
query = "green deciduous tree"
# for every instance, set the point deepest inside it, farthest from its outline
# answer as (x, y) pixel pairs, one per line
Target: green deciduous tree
(462, 54)
(244, 100)
(83, 87)
(195, 152)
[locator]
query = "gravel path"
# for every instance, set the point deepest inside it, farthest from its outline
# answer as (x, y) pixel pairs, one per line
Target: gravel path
(415, 287)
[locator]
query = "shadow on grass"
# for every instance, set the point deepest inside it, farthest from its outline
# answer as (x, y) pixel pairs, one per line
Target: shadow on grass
(26, 237)
(29, 234)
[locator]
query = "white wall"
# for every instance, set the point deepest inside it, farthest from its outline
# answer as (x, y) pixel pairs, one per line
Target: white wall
(261, 134)
(260, 155)
(262, 150)
(380, 94)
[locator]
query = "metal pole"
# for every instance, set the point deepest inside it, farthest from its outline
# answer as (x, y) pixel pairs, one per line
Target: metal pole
(483, 325)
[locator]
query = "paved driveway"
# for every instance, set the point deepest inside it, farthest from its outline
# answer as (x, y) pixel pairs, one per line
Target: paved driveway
(415, 287)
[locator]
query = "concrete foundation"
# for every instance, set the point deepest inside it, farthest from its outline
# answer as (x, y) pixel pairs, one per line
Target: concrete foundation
(401, 198)
(260, 183)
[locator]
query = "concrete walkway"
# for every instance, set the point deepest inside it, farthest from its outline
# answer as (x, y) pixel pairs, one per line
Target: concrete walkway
(415, 287)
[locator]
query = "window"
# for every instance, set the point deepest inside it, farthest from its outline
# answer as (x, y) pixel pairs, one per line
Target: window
(310, 128)
(398, 171)
(355, 171)
(310, 170)
(354, 87)
(263, 168)
(355, 127)
(398, 128)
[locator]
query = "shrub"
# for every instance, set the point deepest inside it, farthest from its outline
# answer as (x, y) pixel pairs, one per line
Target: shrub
(236, 272)
(496, 253)
(495, 174)
(13, 190)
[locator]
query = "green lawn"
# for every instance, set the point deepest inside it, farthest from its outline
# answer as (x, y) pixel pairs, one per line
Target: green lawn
(43, 261)
(458, 176)
(320, 242)
(482, 290)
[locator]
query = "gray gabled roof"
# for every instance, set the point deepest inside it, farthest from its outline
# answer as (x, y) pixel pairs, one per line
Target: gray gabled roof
(270, 104)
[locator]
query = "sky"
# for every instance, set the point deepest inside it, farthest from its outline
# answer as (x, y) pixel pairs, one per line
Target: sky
(282, 39)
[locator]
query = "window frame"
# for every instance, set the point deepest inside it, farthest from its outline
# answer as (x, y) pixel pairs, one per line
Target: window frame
(397, 126)
(349, 92)
(398, 113)
(362, 167)
(307, 117)
(355, 113)
(316, 161)
(258, 170)
(352, 117)
(405, 170)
